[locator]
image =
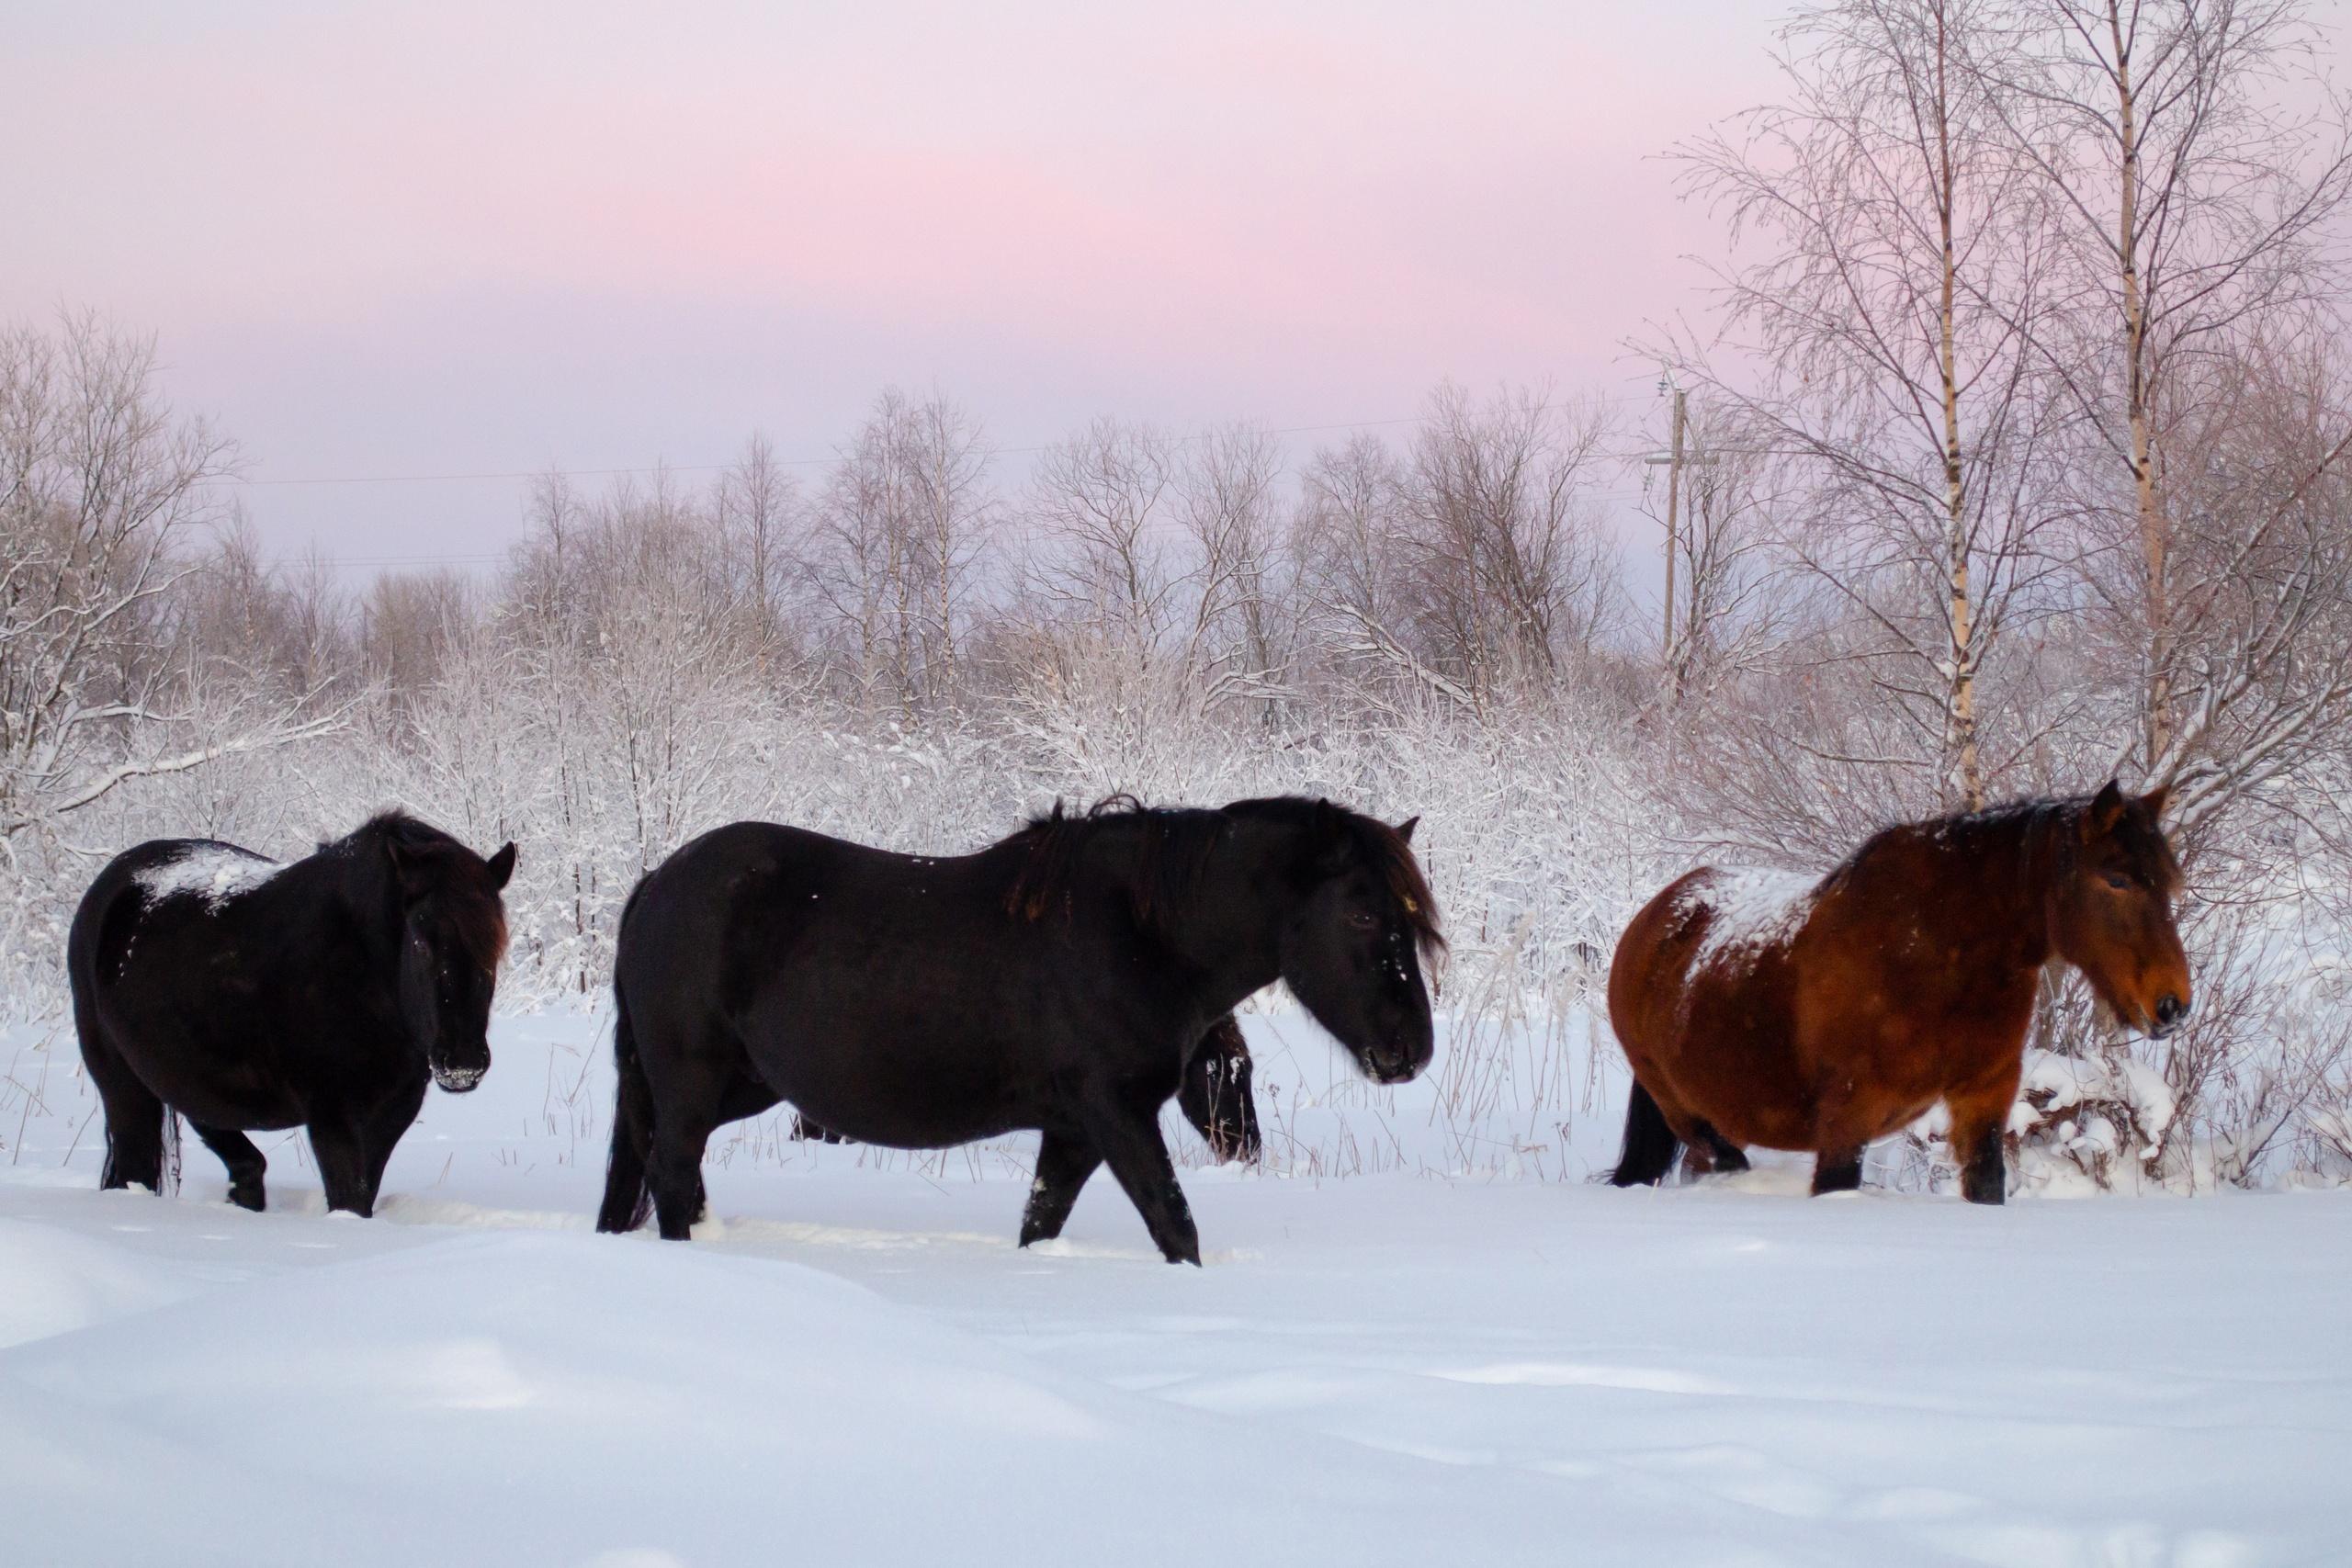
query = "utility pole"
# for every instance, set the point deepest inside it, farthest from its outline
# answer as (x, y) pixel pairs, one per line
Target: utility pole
(1673, 502)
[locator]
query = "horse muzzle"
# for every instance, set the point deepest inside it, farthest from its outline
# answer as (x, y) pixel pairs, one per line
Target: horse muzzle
(458, 1080)
(1400, 1065)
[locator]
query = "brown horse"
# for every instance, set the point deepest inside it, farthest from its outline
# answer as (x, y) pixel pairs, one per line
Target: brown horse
(1771, 1009)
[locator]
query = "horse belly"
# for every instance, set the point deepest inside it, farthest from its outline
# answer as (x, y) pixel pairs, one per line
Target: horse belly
(222, 1082)
(1733, 1063)
(885, 1068)
(886, 1096)
(207, 1037)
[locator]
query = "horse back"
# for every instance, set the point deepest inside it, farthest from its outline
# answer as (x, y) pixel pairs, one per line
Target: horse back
(123, 897)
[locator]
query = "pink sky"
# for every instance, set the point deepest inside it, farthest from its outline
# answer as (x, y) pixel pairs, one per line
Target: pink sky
(414, 238)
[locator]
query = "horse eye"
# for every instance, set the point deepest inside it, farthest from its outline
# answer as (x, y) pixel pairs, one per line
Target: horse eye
(1362, 921)
(2120, 883)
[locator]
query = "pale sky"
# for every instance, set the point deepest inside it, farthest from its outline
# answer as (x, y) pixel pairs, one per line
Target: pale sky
(412, 238)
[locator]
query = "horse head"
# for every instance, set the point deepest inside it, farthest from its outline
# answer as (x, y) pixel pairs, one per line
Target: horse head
(1352, 951)
(2111, 912)
(453, 932)
(1216, 1094)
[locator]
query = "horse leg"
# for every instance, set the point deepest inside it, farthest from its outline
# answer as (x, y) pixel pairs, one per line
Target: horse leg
(697, 1103)
(1980, 1117)
(382, 1136)
(245, 1163)
(1706, 1151)
(341, 1151)
(1839, 1138)
(1721, 1155)
(806, 1131)
(1063, 1165)
(134, 1118)
(1138, 1156)
(748, 1094)
(1837, 1169)
(679, 1196)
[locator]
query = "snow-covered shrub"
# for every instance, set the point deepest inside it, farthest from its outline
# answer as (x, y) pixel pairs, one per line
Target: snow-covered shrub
(2102, 1117)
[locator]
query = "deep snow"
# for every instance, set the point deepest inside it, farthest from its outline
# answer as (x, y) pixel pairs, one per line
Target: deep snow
(854, 1364)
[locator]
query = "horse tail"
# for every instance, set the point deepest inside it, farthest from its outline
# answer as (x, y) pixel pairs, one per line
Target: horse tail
(138, 1152)
(1650, 1143)
(627, 1198)
(142, 1132)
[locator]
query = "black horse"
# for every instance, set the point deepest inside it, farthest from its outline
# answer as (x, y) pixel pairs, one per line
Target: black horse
(1215, 1096)
(212, 982)
(1062, 979)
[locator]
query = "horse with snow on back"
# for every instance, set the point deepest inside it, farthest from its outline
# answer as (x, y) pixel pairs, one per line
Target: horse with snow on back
(1064, 980)
(213, 983)
(1766, 1010)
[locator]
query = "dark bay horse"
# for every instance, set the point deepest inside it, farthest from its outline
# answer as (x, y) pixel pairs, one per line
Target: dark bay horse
(1060, 980)
(1790, 1013)
(1215, 1097)
(245, 994)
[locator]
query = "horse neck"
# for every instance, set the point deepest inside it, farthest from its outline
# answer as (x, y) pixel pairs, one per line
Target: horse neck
(2008, 869)
(356, 878)
(1230, 933)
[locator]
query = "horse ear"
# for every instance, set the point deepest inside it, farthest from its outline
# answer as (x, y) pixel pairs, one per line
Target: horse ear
(2154, 800)
(2106, 809)
(1404, 828)
(501, 865)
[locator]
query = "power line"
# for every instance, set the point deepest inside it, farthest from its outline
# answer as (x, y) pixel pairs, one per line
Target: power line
(488, 557)
(508, 475)
(717, 468)
(494, 558)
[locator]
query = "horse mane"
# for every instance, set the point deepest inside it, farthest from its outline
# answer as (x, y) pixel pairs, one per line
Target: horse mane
(475, 910)
(1173, 848)
(1174, 844)
(2051, 819)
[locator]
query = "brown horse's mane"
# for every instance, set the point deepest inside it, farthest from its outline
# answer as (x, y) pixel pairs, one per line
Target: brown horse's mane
(474, 907)
(1174, 843)
(2033, 822)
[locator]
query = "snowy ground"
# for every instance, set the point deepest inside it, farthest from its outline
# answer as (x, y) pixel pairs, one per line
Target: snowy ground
(857, 1366)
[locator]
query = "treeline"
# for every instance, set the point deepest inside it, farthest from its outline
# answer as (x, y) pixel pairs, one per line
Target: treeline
(2014, 460)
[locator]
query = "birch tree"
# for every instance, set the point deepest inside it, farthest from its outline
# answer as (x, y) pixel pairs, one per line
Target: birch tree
(1897, 262)
(2198, 167)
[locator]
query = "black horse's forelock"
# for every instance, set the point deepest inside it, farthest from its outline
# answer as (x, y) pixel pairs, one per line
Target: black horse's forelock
(473, 905)
(1175, 843)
